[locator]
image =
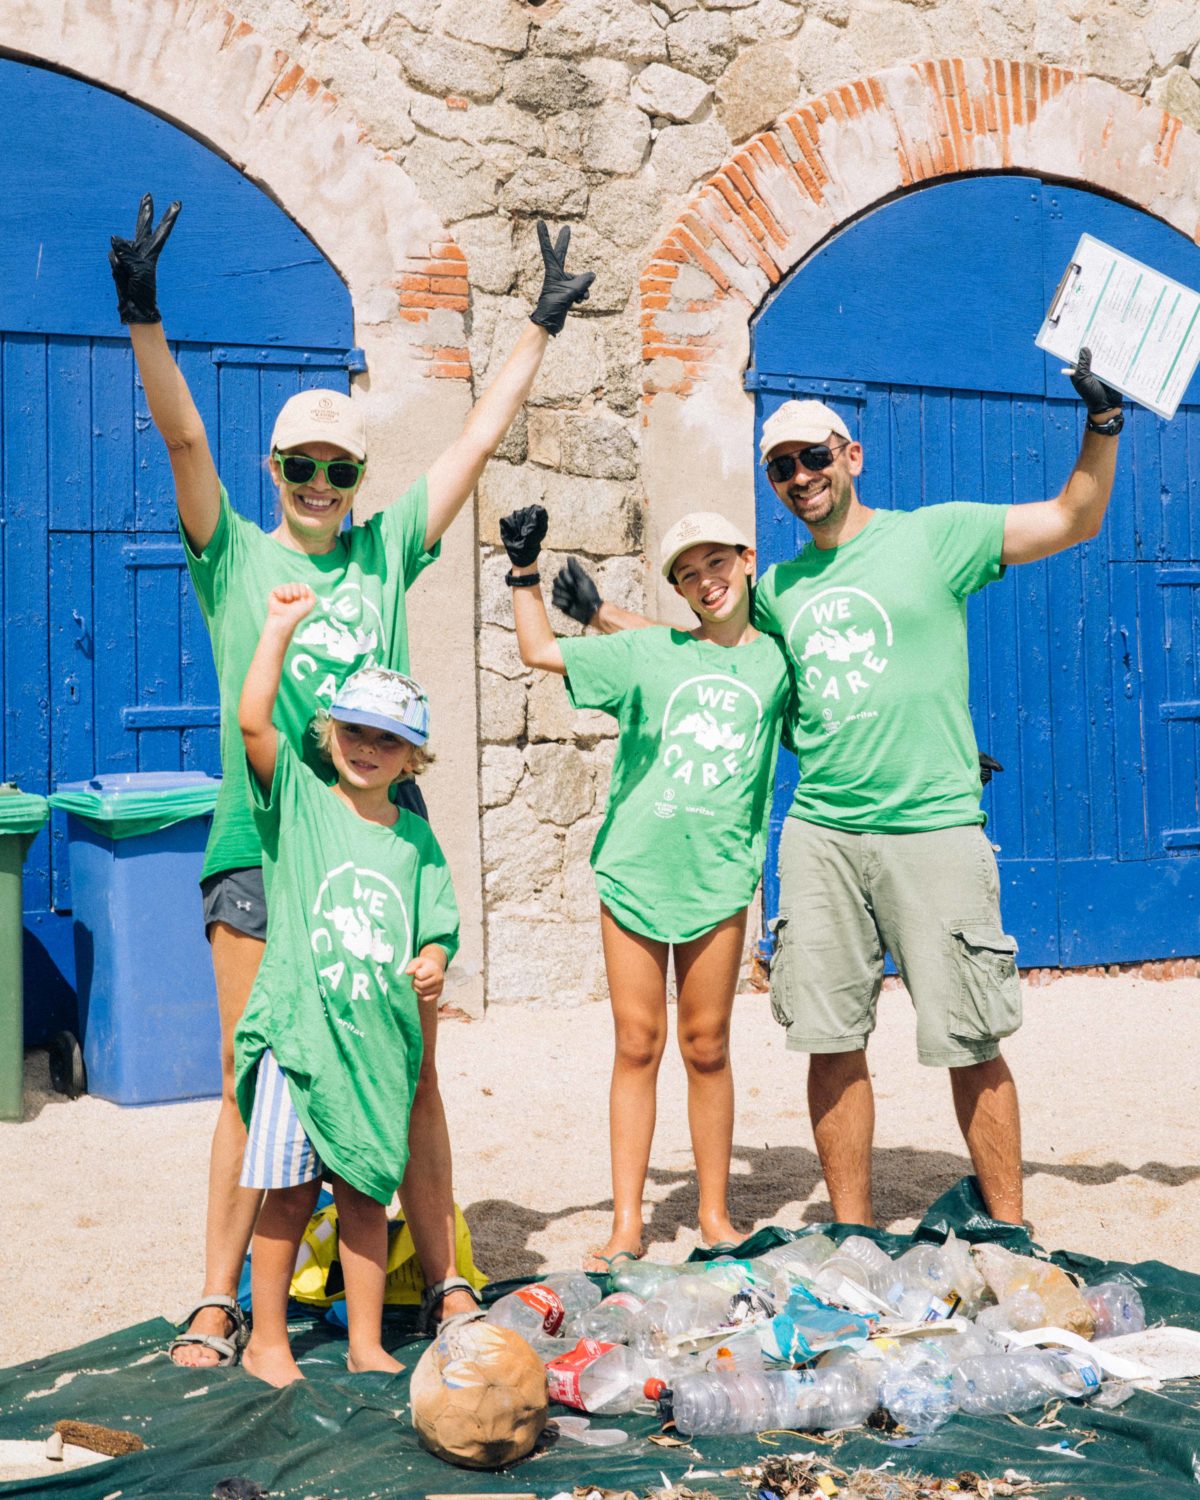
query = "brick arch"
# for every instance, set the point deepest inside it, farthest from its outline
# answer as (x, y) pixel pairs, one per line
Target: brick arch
(198, 66)
(782, 193)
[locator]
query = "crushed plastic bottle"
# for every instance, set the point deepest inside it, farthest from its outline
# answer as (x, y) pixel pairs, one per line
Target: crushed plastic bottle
(917, 1387)
(1022, 1379)
(686, 1306)
(535, 1312)
(644, 1278)
(1020, 1311)
(1117, 1307)
(1006, 1273)
(609, 1320)
(577, 1292)
(597, 1377)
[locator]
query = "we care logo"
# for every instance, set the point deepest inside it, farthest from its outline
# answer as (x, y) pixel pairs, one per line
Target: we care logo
(359, 914)
(710, 732)
(343, 632)
(840, 640)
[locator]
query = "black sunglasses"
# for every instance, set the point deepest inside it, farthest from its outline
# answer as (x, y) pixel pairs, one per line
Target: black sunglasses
(341, 473)
(816, 458)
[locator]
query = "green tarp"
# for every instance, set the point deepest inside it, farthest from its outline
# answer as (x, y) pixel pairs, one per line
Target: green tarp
(349, 1436)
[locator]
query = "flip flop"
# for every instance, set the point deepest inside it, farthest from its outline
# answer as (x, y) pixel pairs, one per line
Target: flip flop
(605, 1264)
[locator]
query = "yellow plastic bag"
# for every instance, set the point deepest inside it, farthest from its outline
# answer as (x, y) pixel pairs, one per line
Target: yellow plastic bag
(317, 1279)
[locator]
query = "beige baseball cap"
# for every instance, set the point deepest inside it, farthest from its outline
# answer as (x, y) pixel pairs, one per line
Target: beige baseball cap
(698, 526)
(320, 416)
(801, 422)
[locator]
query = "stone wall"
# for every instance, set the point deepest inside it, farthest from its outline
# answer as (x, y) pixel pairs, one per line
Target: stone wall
(610, 115)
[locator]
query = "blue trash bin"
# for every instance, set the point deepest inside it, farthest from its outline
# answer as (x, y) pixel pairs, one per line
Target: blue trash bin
(147, 998)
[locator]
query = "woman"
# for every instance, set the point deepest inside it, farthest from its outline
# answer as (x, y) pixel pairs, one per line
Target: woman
(360, 575)
(680, 853)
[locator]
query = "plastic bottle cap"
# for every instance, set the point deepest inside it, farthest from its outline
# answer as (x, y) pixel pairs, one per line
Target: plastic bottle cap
(654, 1388)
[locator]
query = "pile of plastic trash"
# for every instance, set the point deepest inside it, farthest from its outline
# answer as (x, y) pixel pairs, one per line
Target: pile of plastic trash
(818, 1336)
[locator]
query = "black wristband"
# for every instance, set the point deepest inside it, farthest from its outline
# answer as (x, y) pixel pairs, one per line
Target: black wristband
(1109, 428)
(522, 580)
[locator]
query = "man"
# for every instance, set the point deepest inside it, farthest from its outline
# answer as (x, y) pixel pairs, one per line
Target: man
(883, 849)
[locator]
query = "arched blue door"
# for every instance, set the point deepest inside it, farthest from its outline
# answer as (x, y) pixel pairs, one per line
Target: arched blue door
(917, 323)
(106, 665)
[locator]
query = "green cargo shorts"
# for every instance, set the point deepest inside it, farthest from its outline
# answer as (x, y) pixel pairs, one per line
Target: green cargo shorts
(932, 900)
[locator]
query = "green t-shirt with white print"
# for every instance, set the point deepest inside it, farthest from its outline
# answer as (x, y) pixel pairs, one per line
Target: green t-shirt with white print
(350, 904)
(359, 620)
(684, 834)
(876, 631)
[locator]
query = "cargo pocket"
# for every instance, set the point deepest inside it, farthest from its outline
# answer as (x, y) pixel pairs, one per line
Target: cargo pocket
(782, 987)
(988, 1003)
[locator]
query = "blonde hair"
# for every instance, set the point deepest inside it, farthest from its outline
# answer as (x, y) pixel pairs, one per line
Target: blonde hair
(322, 732)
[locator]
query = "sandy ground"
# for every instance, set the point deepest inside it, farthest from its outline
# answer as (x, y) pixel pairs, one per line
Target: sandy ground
(104, 1205)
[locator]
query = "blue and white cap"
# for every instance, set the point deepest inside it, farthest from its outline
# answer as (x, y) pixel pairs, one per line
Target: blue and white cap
(383, 700)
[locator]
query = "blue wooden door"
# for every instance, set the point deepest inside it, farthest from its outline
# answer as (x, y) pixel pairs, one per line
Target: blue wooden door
(106, 664)
(917, 323)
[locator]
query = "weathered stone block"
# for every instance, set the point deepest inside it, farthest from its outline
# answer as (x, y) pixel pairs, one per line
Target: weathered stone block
(608, 77)
(553, 961)
(546, 187)
(503, 25)
(580, 900)
(1172, 31)
(597, 446)
(438, 65)
(551, 716)
(623, 29)
(547, 85)
(522, 858)
(501, 705)
(560, 787)
(564, 139)
(451, 174)
(623, 581)
(686, 154)
(514, 446)
(758, 85)
(677, 96)
(498, 652)
(500, 770)
(618, 137)
(626, 213)
(1179, 94)
(595, 516)
(702, 43)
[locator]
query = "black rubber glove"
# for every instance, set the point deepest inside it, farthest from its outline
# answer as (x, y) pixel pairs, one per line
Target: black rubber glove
(575, 592)
(559, 292)
(988, 765)
(135, 262)
(523, 533)
(1094, 394)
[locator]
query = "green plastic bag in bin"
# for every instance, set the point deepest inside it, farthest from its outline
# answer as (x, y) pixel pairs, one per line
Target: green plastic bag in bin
(124, 805)
(21, 812)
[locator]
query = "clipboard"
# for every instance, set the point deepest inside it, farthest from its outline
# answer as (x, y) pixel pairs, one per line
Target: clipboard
(1143, 328)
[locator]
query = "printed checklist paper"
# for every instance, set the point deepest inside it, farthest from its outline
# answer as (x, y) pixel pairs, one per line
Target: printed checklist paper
(1143, 328)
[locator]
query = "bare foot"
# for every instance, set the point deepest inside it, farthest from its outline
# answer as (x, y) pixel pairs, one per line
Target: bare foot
(214, 1321)
(376, 1358)
(272, 1364)
(622, 1244)
(719, 1231)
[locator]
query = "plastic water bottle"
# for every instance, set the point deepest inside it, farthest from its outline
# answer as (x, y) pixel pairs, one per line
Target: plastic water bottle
(644, 1278)
(917, 1387)
(596, 1377)
(741, 1351)
(922, 1290)
(1020, 1311)
(1117, 1306)
(577, 1292)
(795, 1262)
(535, 1312)
(1021, 1379)
(687, 1305)
(610, 1320)
(725, 1403)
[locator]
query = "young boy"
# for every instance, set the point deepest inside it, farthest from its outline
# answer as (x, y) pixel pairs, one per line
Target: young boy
(362, 925)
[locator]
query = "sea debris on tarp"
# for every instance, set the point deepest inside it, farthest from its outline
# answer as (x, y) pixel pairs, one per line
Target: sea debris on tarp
(113, 1442)
(809, 1476)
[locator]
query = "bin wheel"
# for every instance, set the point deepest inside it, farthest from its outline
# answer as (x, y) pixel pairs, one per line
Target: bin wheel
(67, 1073)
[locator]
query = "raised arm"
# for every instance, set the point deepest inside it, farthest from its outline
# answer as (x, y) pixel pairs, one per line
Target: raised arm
(287, 605)
(522, 533)
(1043, 527)
(454, 475)
(135, 271)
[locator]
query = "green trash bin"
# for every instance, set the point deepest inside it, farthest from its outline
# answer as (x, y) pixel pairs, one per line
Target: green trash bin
(22, 817)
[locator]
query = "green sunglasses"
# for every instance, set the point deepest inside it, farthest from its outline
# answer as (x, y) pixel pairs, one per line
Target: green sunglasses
(340, 473)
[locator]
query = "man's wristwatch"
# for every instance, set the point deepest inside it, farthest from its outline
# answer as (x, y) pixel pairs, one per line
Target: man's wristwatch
(1109, 428)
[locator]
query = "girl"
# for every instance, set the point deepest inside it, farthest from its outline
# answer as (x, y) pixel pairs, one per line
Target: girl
(360, 575)
(680, 852)
(362, 925)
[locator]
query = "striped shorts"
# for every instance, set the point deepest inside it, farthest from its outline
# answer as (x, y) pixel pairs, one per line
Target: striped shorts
(278, 1153)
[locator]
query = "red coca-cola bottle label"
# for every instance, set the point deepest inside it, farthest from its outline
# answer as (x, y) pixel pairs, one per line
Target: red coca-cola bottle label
(544, 1300)
(562, 1373)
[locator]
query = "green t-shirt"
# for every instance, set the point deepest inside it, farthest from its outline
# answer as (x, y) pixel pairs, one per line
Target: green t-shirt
(681, 847)
(359, 620)
(876, 631)
(350, 904)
